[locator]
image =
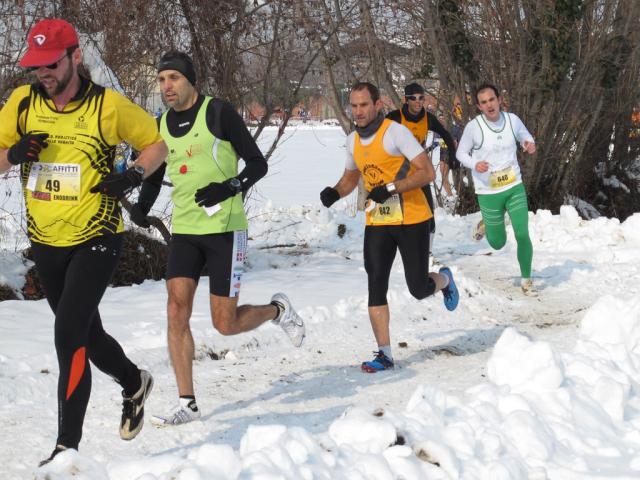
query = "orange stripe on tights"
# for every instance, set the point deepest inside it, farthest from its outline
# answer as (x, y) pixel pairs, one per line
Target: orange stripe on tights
(77, 370)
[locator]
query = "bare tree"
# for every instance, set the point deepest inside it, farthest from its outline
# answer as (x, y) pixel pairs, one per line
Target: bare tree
(569, 69)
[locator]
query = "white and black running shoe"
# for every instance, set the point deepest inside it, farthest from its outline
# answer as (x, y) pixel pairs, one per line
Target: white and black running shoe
(133, 408)
(184, 413)
(289, 320)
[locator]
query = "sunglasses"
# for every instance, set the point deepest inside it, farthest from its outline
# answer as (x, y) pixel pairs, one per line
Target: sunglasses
(52, 66)
(415, 97)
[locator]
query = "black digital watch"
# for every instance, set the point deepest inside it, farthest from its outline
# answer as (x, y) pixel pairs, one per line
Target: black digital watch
(236, 185)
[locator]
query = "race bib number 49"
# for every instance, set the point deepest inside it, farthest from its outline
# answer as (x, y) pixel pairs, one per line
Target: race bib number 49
(502, 178)
(389, 212)
(55, 182)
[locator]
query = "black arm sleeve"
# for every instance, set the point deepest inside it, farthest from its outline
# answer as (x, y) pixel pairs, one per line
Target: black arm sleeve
(437, 127)
(395, 116)
(151, 189)
(151, 185)
(226, 124)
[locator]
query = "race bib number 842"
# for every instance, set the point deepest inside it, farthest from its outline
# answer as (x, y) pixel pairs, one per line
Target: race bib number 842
(389, 212)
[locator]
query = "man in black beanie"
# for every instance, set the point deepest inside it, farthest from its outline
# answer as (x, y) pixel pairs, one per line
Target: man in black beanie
(180, 62)
(205, 137)
(414, 116)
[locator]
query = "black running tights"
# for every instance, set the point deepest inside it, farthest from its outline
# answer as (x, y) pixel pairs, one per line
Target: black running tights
(380, 245)
(74, 279)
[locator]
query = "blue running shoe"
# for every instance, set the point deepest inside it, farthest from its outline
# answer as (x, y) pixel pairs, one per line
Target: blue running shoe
(450, 293)
(379, 363)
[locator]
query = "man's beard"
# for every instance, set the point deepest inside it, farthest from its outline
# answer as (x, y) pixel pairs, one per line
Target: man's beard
(62, 83)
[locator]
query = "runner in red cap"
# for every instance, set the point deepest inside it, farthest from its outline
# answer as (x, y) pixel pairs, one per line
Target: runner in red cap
(62, 133)
(48, 42)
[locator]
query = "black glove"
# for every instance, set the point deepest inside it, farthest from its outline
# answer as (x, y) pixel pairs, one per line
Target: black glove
(379, 194)
(28, 148)
(214, 193)
(118, 184)
(329, 196)
(138, 215)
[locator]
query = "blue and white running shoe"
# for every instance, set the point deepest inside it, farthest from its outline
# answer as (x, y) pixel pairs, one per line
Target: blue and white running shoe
(379, 363)
(450, 293)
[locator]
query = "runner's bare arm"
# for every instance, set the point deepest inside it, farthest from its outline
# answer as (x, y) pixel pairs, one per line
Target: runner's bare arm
(151, 157)
(347, 182)
(423, 174)
(4, 161)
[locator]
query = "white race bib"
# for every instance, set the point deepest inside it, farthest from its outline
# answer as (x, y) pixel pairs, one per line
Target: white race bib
(389, 212)
(55, 182)
(502, 178)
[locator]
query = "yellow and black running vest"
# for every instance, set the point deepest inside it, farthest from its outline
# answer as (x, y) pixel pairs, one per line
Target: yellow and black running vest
(60, 209)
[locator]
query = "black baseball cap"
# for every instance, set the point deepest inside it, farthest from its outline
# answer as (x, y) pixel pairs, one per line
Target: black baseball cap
(413, 89)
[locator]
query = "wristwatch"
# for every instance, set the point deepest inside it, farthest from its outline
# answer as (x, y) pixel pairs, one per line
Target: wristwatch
(235, 185)
(139, 169)
(391, 188)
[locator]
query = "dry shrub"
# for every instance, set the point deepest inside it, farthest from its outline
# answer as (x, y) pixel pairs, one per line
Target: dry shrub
(143, 258)
(32, 289)
(7, 293)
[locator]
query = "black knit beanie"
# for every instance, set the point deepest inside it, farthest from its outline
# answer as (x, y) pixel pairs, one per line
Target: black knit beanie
(179, 61)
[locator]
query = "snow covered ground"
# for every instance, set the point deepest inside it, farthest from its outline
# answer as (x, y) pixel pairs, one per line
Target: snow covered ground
(506, 387)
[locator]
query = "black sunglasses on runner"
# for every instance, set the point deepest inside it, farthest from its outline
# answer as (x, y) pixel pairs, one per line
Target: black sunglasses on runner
(52, 66)
(415, 97)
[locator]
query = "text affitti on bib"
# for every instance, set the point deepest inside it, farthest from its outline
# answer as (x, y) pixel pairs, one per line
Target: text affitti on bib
(55, 182)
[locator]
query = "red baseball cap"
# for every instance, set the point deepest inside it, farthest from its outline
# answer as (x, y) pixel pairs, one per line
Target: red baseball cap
(48, 40)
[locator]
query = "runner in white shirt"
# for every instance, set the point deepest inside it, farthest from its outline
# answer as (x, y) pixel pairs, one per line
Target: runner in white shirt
(488, 147)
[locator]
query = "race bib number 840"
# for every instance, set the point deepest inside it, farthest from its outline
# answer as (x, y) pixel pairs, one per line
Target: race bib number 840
(502, 178)
(55, 182)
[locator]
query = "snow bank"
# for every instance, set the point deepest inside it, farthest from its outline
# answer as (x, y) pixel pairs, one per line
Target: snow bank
(541, 415)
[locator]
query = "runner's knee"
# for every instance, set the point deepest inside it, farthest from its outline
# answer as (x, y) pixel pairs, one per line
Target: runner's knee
(497, 244)
(67, 336)
(377, 293)
(178, 313)
(224, 322)
(418, 293)
(177, 307)
(497, 240)
(378, 286)
(422, 289)
(522, 235)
